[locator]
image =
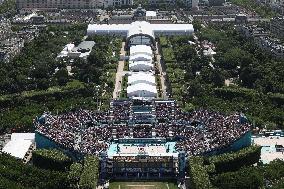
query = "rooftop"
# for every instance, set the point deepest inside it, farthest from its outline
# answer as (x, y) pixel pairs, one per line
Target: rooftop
(84, 46)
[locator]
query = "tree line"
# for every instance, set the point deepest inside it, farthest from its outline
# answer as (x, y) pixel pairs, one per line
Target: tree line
(196, 81)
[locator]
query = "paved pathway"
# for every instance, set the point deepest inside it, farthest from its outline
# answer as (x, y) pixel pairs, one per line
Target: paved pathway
(163, 73)
(119, 74)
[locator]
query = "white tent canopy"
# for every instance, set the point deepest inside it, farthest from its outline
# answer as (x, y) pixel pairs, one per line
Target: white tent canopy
(141, 49)
(140, 66)
(141, 90)
(140, 27)
(140, 57)
(141, 77)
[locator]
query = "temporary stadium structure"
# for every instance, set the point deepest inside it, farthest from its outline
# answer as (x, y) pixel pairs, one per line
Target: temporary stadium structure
(141, 77)
(142, 90)
(138, 49)
(140, 66)
(140, 32)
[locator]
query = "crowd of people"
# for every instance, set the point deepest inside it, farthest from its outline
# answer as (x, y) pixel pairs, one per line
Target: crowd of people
(195, 132)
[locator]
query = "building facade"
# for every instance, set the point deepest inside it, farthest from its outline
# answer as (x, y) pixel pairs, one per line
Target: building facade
(186, 3)
(277, 26)
(70, 4)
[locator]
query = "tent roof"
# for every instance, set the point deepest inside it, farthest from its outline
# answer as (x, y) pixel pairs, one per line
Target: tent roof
(141, 77)
(140, 28)
(140, 55)
(136, 63)
(141, 87)
(135, 49)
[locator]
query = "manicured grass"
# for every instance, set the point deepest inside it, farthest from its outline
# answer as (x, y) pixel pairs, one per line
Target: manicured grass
(143, 185)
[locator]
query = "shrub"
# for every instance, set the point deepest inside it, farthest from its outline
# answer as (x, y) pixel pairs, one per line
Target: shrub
(74, 174)
(15, 174)
(233, 161)
(51, 159)
(245, 178)
(89, 177)
(199, 178)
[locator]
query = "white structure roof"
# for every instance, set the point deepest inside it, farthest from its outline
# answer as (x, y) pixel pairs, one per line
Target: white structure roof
(140, 57)
(19, 144)
(172, 29)
(151, 14)
(23, 136)
(17, 148)
(136, 49)
(119, 29)
(142, 87)
(140, 27)
(66, 50)
(83, 50)
(140, 65)
(141, 77)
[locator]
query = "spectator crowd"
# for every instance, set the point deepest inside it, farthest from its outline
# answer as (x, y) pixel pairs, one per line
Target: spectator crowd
(195, 132)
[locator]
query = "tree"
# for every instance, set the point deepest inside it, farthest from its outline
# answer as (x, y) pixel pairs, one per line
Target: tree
(197, 25)
(249, 75)
(62, 76)
(184, 53)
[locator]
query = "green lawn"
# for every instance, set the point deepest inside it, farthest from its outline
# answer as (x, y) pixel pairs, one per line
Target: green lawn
(143, 185)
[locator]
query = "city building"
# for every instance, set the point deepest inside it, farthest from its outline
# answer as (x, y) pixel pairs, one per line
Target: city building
(271, 45)
(263, 40)
(66, 4)
(216, 2)
(277, 27)
(186, 3)
(252, 31)
(139, 14)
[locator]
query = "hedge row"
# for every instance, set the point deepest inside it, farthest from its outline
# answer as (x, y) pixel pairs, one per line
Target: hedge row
(13, 100)
(233, 92)
(75, 174)
(245, 178)
(199, 178)
(14, 174)
(51, 159)
(89, 177)
(233, 161)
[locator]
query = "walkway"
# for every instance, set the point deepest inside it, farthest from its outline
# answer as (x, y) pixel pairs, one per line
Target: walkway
(163, 73)
(119, 74)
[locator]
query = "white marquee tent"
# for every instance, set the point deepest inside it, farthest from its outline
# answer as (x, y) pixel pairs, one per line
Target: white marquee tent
(140, 57)
(141, 90)
(141, 49)
(141, 77)
(140, 66)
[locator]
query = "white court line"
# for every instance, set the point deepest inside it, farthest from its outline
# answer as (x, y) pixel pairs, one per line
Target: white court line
(141, 185)
(168, 186)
